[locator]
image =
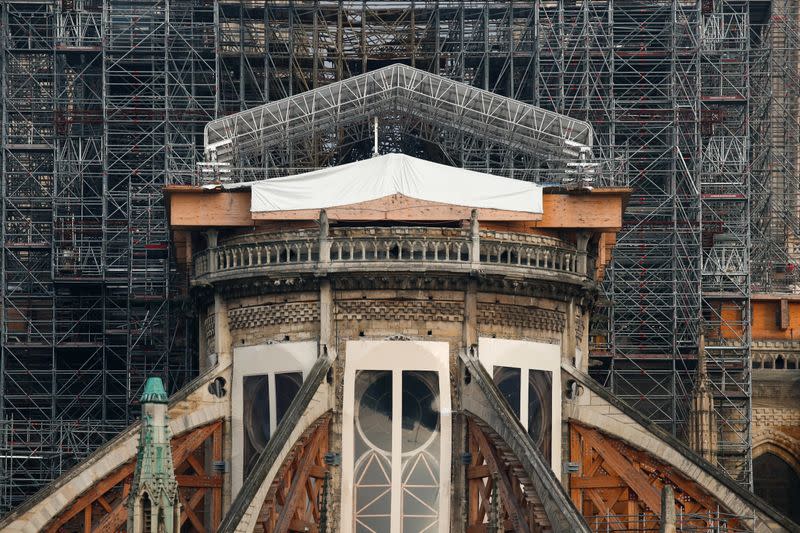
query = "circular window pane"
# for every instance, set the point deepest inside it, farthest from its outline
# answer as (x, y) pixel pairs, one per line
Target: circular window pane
(256, 416)
(374, 415)
(540, 410)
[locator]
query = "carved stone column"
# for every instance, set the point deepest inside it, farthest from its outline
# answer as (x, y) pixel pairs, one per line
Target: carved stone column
(703, 418)
(667, 510)
(582, 244)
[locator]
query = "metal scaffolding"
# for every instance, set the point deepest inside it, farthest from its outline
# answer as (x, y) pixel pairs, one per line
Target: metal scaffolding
(105, 101)
(101, 101)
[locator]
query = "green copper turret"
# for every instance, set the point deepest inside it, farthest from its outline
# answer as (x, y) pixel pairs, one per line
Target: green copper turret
(153, 504)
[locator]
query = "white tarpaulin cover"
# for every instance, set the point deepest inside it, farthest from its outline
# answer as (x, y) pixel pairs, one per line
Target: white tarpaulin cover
(390, 174)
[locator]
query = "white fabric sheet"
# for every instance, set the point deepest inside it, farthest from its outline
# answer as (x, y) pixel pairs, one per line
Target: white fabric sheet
(390, 174)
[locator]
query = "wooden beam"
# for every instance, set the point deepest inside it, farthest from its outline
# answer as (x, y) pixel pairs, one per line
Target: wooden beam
(681, 483)
(192, 441)
(597, 482)
(318, 472)
(632, 512)
(185, 446)
(97, 490)
(475, 485)
(197, 208)
(515, 512)
(87, 519)
(616, 461)
(479, 471)
(112, 522)
(400, 207)
(187, 511)
(182, 447)
(584, 211)
(216, 494)
(104, 504)
(199, 481)
(606, 513)
(198, 468)
(301, 525)
(297, 489)
(783, 320)
(621, 487)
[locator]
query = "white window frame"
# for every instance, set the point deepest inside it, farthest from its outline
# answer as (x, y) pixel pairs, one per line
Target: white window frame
(527, 356)
(261, 359)
(396, 356)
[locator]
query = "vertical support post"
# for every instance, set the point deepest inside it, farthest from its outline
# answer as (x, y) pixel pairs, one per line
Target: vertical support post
(582, 243)
(326, 338)
(470, 328)
(324, 241)
(189, 254)
(87, 519)
(784, 321)
(494, 508)
(216, 492)
(667, 510)
(323, 504)
(211, 236)
(475, 242)
(568, 343)
(375, 136)
(222, 332)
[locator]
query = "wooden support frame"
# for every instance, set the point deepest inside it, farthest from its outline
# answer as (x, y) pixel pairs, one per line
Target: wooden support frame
(103, 507)
(493, 468)
(618, 487)
(292, 502)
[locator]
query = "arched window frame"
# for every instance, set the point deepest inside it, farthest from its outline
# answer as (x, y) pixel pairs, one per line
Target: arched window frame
(527, 356)
(768, 445)
(396, 356)
(260, 360)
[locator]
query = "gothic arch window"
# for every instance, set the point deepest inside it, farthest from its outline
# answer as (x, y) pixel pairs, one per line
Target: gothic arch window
(528, 376)
(534, 406)
(147, 513)
(266, 378)
(396, 437)
(778, 483)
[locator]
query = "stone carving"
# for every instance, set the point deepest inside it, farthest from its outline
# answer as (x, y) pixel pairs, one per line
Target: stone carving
(273, 314)
(412, 310)
(520, 316)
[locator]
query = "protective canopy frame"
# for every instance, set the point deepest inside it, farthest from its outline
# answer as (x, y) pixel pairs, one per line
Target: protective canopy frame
(246, 135)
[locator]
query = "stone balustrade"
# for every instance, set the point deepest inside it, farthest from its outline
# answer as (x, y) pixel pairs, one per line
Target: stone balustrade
(349, 249)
